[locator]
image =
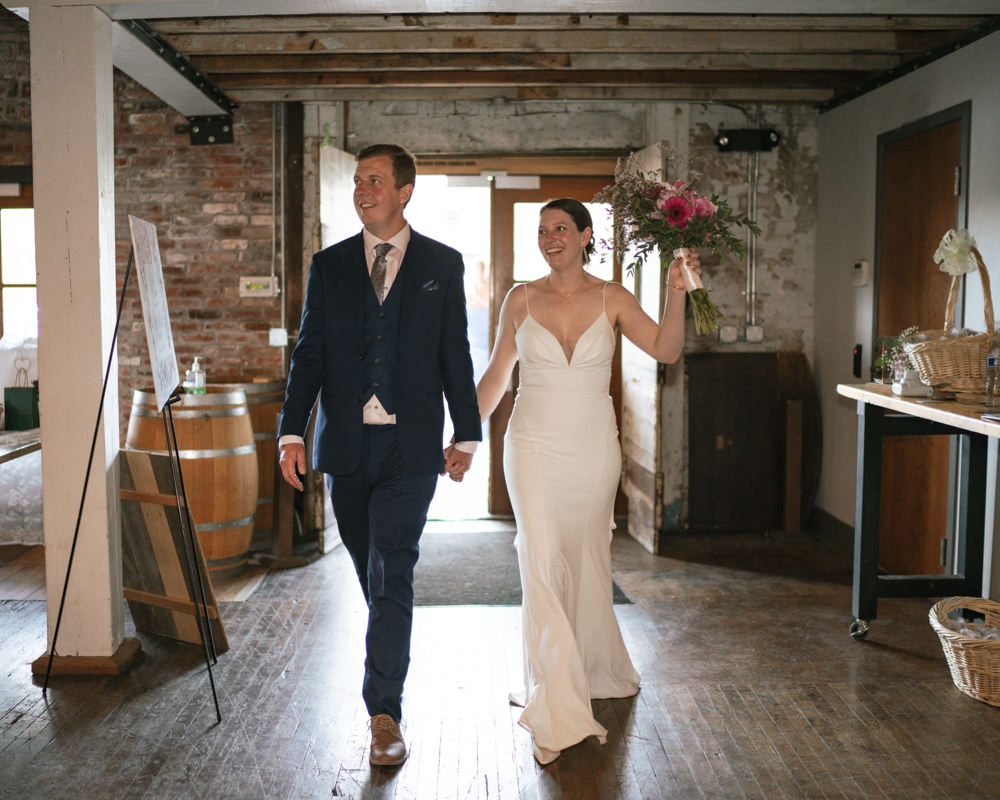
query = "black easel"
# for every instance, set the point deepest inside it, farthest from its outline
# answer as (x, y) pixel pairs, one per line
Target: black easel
(187, 535)
(194, 571)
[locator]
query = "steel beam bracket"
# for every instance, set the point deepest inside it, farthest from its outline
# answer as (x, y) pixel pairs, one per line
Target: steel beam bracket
(211, 130)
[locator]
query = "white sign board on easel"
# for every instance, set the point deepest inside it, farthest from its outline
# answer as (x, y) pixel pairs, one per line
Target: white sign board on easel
(159, 337)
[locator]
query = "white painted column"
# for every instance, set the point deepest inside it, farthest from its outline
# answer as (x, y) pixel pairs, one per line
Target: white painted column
(73, 171)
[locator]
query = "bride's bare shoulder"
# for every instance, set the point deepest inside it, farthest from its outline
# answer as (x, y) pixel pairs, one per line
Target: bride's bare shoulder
(515, 301)
(617, 293)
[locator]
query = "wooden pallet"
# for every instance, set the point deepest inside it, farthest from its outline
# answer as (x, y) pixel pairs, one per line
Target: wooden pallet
(156, 579)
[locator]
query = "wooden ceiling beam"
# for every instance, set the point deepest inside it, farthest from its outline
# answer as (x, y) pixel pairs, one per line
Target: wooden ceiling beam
(373, 62)
(424, 41)
(468, 22)
(679, 94)
(446, 78)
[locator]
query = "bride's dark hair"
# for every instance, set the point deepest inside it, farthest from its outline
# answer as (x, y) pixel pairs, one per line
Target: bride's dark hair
(580, 216)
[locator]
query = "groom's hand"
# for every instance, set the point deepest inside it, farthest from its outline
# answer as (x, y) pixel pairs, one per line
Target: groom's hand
(456, 463)
(293, 463)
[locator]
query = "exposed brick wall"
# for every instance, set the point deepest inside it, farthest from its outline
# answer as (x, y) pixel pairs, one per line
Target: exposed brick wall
(211, 206)
(212, 209)
(15, 91)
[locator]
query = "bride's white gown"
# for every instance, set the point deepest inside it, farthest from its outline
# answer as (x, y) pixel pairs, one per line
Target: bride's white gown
(562, 462)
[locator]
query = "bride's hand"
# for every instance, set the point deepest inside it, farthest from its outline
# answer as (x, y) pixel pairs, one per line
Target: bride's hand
(457, 463)
(675, 280)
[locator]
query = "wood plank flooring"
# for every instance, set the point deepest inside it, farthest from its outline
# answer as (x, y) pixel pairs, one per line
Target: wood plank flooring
(751, 688)
(22, 576)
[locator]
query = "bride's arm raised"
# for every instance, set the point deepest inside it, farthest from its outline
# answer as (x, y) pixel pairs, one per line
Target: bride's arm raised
(665, 341)
(496, 377)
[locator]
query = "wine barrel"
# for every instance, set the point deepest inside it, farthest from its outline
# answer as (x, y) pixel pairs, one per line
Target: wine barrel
(264, 399)
(218, 461)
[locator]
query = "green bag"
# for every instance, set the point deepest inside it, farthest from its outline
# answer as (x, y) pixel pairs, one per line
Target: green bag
(20, 404)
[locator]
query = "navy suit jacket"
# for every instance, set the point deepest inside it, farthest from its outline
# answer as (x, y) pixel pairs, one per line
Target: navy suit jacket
(433, 360)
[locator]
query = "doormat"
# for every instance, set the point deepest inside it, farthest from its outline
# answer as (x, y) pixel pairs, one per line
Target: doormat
(472, 569)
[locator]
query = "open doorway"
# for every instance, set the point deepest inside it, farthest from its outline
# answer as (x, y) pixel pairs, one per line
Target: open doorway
(516, 260)
(459, 215)
(494, 230)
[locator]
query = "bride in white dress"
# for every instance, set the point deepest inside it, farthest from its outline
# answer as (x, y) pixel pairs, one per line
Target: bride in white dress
(562, 463)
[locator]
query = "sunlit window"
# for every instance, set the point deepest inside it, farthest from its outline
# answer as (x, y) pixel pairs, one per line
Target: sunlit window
(18, 295)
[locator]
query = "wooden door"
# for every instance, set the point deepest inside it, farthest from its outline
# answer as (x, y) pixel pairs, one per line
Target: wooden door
(504, 209)
(643, 383)
(919, 196)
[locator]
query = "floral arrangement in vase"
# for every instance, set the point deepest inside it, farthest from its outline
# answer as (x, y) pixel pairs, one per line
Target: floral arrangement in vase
(671, 217)
(893, 358)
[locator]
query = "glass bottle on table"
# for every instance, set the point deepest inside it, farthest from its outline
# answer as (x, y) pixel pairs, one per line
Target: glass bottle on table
(992, 401)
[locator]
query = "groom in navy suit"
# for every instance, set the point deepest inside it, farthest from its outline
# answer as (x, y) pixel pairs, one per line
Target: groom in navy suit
(383, 337)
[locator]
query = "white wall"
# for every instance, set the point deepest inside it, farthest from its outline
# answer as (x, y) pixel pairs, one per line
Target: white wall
(846, 227)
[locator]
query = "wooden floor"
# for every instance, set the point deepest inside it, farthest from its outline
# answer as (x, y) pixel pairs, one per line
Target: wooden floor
(22, 576)
(751, 688)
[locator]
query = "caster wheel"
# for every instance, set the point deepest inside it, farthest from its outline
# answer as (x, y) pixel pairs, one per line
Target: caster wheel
(859, 629)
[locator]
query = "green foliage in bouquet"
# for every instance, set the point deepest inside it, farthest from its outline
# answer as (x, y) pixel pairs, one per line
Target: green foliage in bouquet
(652, 214)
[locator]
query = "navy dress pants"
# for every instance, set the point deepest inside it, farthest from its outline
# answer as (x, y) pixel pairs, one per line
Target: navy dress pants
(381, 510)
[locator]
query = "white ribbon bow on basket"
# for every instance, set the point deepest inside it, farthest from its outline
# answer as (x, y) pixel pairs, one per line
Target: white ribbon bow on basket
(957, 255)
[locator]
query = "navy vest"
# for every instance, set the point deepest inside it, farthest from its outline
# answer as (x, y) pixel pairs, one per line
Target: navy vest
(381, 338)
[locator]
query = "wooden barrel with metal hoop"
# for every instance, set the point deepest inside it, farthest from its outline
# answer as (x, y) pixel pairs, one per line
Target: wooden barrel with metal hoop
(219, 465)
(264, 399)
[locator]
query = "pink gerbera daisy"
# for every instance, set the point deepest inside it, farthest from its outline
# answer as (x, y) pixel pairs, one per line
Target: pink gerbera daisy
(677, 210)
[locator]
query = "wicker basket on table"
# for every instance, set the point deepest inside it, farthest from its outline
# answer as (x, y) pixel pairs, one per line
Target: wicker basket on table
(956, 364)
(974, 662)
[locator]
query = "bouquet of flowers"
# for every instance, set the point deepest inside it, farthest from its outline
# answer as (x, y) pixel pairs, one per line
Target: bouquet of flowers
(671, 217)
(894, 359)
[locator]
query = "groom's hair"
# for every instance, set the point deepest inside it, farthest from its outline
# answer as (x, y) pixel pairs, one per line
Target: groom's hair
(404, 165)
(581, 218)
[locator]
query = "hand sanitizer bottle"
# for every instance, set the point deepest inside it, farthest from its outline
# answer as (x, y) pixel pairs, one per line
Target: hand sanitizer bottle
(194, 382)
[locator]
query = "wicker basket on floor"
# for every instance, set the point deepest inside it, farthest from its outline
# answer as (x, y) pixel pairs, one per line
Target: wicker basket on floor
(974, 663)
(956, 364)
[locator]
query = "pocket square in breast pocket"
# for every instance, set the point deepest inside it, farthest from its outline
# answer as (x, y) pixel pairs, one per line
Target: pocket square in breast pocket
(431, 286)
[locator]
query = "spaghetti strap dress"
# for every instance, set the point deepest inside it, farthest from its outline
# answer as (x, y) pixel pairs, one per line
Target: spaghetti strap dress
(562, 462)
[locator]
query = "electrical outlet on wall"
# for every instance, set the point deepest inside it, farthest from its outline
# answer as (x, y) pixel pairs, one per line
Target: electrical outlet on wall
(861, 272)
(258, 286)
(728, 334)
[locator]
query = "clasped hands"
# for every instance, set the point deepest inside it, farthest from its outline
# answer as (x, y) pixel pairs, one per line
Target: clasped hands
(292, 462)
(456, 463)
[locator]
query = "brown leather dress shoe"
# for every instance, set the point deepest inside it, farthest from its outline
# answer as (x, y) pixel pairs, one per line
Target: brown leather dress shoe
(388, 748)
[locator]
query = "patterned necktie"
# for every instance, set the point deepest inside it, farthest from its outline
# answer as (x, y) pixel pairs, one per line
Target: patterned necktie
(378, 270)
